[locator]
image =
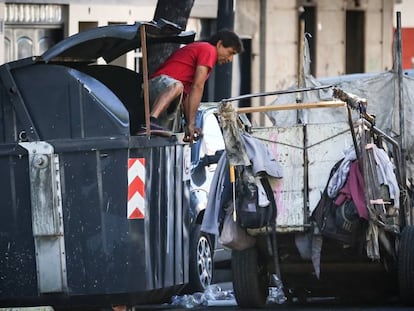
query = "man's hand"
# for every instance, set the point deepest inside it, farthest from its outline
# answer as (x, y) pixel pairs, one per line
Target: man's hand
(192, 133)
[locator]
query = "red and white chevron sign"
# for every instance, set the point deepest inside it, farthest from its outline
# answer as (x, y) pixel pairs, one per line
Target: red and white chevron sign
(136, 188)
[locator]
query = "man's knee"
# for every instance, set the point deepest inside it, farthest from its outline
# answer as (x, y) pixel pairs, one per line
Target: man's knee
(171, 93)
(177, 88)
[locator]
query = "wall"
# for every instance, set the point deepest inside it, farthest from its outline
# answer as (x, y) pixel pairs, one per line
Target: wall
(378, 45)
(272, 26)
(83, 14)
(247, 23)
(406, 8)
(331, 36)
(102, 15)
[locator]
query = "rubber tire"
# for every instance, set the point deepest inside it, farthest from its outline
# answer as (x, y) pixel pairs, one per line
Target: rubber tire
(201, 265)
(406, 266)
(250, 279)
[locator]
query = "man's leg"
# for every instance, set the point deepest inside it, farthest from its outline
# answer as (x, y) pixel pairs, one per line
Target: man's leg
(165, 98)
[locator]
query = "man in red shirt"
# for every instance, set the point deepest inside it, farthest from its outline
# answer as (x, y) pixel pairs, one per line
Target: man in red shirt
(183, 75)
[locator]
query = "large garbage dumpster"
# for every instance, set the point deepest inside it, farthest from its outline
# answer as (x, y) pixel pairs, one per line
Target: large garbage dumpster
(91, 214)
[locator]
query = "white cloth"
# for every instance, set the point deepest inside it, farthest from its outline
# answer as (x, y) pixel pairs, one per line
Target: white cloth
(339, 178)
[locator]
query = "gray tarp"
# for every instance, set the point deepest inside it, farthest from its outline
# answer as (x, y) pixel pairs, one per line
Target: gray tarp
(378, 89)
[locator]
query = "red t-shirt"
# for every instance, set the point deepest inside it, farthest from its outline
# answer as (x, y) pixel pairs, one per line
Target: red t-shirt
(181, 65)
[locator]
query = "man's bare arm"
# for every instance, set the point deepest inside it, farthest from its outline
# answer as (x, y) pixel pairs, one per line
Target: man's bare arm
(194, 98)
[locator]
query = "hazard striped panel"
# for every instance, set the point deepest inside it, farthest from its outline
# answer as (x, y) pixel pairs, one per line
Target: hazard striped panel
(136, 188)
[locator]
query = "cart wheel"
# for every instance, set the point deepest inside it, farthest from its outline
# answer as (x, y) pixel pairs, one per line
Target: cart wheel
(250, 278)
(405, 266)
(201, 261)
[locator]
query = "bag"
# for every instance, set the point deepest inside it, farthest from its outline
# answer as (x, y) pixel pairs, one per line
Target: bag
(347, 217)
(340, 223)
(335, 221)
(250, 213)
(232, 235)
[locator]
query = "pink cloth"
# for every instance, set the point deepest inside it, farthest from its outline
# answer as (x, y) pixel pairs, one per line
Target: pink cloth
(354, 189)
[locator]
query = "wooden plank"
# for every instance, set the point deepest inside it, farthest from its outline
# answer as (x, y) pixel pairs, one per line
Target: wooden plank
(323, 104)
(145, 78)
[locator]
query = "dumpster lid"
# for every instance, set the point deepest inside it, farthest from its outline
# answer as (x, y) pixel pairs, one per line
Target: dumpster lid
(110, 42)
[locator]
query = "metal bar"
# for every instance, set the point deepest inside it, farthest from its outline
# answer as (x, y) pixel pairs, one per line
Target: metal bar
(300, 59)
(399, 86)
(47, 215)
(145, 78)
(301, 82)
(305, 174)
(225, 19)
(355, 102)
(302, 119)
(18, 103)
(396, 155)
(324, 104)
(354, 140)
(305, 89)
(408, 213)
(372, 237)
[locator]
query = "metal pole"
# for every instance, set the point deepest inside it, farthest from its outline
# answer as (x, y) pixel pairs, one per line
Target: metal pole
(262, 51)
(399, 100)
(301, 78)
(305, 89)
(223, 73)
(300, 119)
(399, 84)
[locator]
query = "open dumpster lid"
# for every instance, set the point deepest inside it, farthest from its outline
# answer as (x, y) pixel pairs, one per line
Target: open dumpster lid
(110, 42)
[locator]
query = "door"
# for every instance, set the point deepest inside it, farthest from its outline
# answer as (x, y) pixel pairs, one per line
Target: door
(24, 41)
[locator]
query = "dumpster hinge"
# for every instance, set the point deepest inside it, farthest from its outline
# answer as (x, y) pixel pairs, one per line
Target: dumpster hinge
(47, 217)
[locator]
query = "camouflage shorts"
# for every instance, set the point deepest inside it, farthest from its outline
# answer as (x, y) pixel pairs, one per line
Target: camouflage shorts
(158, 84)
(155, 87)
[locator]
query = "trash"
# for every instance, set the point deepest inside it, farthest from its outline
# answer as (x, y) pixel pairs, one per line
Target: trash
(276, 293)
(189, 301)
(214, 292)
(211, 293)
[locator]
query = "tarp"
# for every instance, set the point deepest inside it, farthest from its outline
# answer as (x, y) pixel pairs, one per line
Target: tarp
(377, 88)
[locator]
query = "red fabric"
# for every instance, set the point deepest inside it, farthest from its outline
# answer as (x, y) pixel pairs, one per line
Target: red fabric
(181, 65)
(354, 189)
(407, 38)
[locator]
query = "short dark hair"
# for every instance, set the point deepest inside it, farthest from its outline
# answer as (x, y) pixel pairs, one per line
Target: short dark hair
(228, 39)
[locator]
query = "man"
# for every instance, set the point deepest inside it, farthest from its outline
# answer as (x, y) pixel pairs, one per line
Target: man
(183, 76)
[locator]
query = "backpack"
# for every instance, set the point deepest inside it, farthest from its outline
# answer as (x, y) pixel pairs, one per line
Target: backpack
(249, 212)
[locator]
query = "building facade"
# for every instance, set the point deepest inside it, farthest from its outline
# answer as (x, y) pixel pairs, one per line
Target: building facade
(345, 36)
(406, 9)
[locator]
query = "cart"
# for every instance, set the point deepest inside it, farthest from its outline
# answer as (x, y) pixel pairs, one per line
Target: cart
(316, 245)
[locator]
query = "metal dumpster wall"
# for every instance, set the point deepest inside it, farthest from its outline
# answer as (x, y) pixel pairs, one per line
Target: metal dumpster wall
(17, 261)
(166, 210)
(108, 256)
(112, 253)
(50, 102)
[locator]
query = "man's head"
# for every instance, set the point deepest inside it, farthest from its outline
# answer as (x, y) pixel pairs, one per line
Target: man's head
(227, 44)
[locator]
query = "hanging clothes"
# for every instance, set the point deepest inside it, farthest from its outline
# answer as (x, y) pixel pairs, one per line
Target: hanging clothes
(340, 177)
(354, 190)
